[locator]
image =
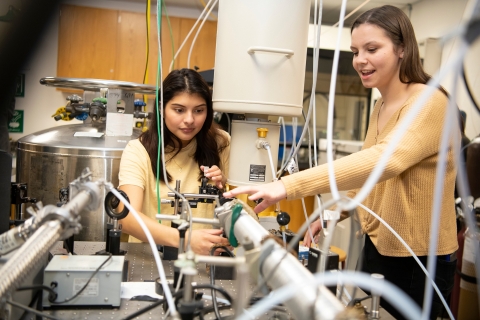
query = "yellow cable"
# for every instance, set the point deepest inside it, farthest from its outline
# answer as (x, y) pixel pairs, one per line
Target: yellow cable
(145, 78)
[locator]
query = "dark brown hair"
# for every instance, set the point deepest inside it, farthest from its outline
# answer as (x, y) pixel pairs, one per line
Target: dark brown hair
(210, 142)
(399, 29)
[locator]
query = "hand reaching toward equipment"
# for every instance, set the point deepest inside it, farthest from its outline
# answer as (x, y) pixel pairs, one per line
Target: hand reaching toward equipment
(215, 174)
(203, 240)
(270, 193)
(315, 227)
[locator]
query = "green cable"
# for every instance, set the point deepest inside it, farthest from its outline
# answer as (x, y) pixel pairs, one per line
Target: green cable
(236, 210)
(171, 33)
(159, 65)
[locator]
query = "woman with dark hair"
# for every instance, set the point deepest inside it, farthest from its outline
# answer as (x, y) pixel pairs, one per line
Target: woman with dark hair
(385, 56)
(194, 147)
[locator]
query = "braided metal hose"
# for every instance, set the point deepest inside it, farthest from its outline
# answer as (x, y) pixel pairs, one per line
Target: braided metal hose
(28, 256)
(33, 250)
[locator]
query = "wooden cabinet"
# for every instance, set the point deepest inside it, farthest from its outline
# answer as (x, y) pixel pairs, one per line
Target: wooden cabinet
(87, 43)
(112, 44)
(203, 53)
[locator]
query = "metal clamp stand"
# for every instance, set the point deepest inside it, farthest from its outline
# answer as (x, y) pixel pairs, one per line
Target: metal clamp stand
(114, 230)
(171, 253)
(18, 198)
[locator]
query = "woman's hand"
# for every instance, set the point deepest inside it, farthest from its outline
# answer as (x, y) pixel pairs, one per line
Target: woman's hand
(215, 174)
(315, 227)
(270, 193)
(203, 240)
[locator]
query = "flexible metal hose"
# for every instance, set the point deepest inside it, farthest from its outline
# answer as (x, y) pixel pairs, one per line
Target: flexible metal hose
(28, 256)
(33, 250)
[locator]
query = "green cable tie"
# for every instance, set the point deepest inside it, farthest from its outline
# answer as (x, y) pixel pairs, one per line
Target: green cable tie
(236, 210)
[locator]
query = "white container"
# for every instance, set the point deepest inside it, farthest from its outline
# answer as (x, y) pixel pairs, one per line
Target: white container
(260, 56)
(248, 164)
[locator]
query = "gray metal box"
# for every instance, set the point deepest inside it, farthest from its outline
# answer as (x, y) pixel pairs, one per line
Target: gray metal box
(71, 273)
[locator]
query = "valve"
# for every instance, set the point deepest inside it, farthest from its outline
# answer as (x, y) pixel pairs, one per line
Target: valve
(74, 98)
(262, 132)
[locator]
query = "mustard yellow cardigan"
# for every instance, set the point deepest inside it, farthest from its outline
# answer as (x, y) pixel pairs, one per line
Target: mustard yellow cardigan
(404, 195)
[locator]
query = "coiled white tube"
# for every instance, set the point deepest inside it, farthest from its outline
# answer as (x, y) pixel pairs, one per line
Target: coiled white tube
(391, 293)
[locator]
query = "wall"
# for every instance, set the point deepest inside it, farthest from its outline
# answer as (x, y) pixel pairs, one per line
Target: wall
(450, 13)
(40, 102)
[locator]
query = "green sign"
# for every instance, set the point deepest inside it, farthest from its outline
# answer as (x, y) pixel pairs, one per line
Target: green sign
(16, 124)
(20, 91)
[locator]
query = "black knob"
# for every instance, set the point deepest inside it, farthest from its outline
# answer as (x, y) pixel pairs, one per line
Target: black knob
(283, 218)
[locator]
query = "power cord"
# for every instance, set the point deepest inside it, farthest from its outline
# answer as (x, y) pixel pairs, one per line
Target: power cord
(179, 294)
(31, 310)
(51, 300)
(212, 279)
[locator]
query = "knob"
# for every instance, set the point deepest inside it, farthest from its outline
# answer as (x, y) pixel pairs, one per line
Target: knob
(74, 98)
(283, 218)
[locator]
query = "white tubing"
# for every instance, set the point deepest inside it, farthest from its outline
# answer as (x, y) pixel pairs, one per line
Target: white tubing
(274, 176)
(313, 97)
(388, 291)
(310, 219)
(188, 35)
(352, 12)
(306, 219)
(402, 128)
(153, 246)
(327, 240)
(282, 121)
(438, 193)
(198, 32)
(160, 123)
(412, 253)
(331, 101)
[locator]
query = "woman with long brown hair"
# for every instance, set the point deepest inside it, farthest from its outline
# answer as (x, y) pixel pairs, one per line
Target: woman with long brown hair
(194, 147)
(385, 56)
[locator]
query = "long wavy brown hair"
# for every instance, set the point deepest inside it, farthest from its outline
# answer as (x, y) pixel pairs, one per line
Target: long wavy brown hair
(210, 142)
(399, 29)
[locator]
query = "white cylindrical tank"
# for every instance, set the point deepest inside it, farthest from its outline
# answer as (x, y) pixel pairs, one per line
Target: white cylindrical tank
(260, 56)
(249, 164)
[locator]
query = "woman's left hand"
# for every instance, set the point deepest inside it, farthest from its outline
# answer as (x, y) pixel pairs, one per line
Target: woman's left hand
(215, 174)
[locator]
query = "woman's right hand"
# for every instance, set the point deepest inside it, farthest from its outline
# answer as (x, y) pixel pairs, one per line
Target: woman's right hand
(315, 227)
(270, 193)
(203, 240)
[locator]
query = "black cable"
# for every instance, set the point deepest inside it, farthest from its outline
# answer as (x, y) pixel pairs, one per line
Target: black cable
(212, 279)
(179, 294)
(31, 310)
(278, 307)
(86, 284)
(143, 310)
(52, 295)
(37, 298)
(207, 310)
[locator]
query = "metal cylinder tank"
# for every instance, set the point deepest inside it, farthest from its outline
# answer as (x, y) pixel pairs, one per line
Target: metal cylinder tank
(260, 60)
(48, 160)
